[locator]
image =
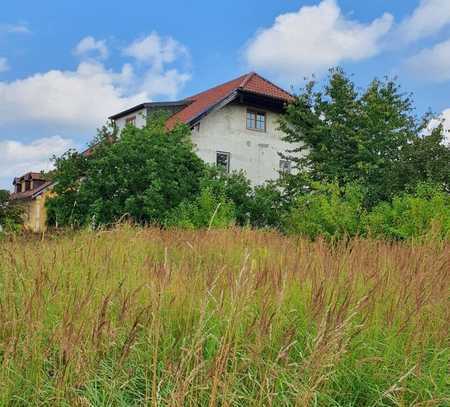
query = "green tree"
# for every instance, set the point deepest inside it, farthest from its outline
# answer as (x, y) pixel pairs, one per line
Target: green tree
(142, 175)
(367, 137)
(426, 159)
(10, 212)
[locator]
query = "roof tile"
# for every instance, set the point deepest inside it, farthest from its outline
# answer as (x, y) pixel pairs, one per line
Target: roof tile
(251, 82)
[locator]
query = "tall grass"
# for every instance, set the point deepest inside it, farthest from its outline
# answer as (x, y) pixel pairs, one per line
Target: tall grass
(233, 318)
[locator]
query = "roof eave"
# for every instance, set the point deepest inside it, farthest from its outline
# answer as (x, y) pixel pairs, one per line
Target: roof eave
(216, 106)
(147, 105)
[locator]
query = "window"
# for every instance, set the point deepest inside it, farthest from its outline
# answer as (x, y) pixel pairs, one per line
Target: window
(285, 166)
(223, 160)
(256, 120)
(131, 121)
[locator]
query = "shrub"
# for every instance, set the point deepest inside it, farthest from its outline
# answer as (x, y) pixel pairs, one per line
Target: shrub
(416, 215)
(267, 206)
(206, 211)
(10, 214)
(233, 187)
(328, 211)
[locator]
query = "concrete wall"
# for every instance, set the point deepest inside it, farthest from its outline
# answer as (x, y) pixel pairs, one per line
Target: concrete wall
(253, 151)
(225, 130)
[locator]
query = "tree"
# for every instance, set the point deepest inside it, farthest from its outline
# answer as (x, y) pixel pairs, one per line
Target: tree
(427, 159)
(142, 175)
(10, 212)
(366, 137)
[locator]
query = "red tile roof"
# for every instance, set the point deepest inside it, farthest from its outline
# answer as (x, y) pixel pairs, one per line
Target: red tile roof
(251, 82)
(30, 194)
(30, 176)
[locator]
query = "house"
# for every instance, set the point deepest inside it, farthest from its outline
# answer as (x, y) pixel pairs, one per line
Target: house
(234, 125)
(31, 191)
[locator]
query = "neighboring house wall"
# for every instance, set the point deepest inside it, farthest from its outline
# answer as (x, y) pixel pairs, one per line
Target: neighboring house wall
(35, 213)
(255, 152)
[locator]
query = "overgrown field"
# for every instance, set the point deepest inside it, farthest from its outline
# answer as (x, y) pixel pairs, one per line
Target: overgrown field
(232, 318)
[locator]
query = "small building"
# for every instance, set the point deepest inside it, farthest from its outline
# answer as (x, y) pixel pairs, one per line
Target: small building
(234, 125)
(31, 191)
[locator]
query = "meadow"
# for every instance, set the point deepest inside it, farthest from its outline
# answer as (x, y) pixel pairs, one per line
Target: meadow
(143, 316)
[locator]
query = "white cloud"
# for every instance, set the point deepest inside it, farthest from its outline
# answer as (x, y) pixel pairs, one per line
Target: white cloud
(432, 64)
(427, 19)
(3, 65)
(156, 50)
(314, 39)
(164, 83)
(82, 99)
(89, 45)
(19, 158)
(15, 28)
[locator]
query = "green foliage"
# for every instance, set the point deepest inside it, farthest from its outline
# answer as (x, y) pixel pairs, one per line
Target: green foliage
(69, 205)
(328, 211)
(142, 175)
(267, 206)
(231, 187)
(369, 137)
(334, 213)
(424, 213)
(427, 159)
(208, 210)
(10, 213)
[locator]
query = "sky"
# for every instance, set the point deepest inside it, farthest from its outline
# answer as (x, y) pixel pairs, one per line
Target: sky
(65, 66)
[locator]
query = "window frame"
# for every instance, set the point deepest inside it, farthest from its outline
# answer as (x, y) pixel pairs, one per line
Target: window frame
(228, 155)
(282, 170)
(255, 113)
(130, 121)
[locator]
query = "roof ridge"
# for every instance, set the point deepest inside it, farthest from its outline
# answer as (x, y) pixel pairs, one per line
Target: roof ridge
(218, 86)
(273, 84)
(247, 79)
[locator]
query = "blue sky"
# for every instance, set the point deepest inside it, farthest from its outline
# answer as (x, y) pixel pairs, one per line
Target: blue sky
(65, 66)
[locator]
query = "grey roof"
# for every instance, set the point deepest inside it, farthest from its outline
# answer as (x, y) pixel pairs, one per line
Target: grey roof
(149, 105)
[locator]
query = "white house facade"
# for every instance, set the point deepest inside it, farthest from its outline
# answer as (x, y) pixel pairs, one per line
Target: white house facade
(234, 125)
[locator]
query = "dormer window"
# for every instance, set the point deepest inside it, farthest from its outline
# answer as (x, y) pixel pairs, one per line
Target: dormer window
(130, 121)
(256, 120)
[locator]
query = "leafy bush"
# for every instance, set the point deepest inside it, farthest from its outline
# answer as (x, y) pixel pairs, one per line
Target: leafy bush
(207, 210)
(10, 214)
(328, 211)
(267, 206)
(232, 187)
(425, 212)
